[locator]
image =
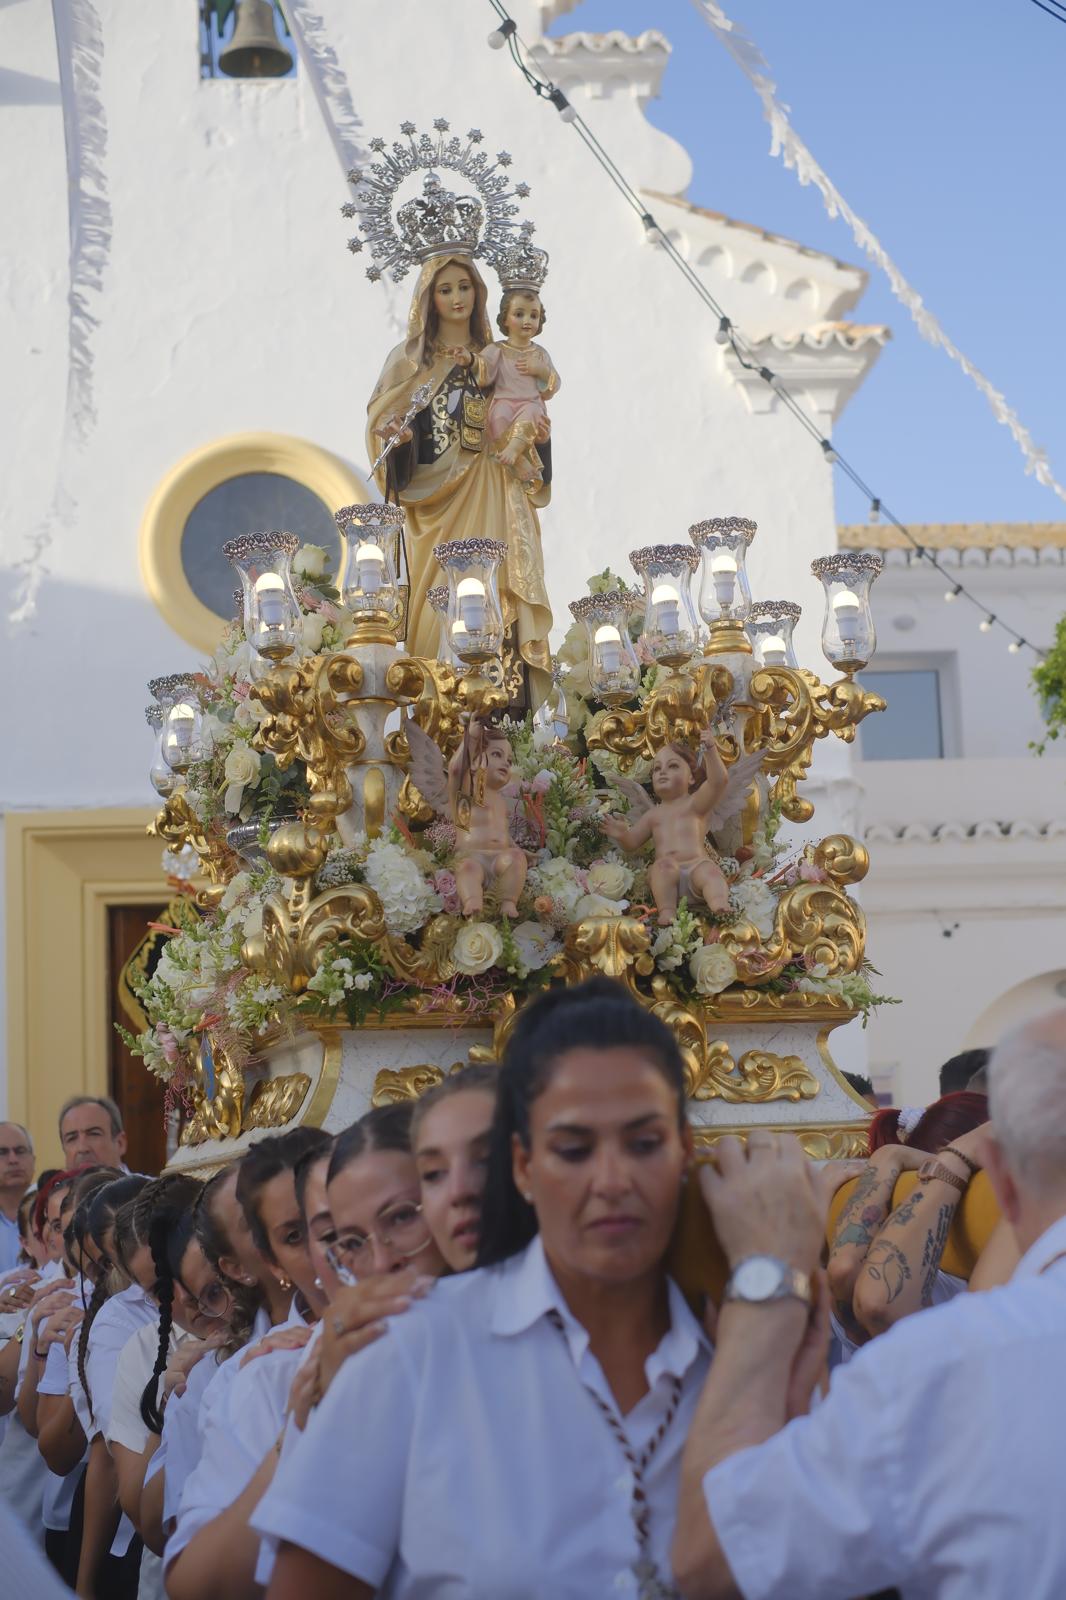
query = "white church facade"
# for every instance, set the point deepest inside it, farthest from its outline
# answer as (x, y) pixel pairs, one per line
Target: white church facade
(231, 346)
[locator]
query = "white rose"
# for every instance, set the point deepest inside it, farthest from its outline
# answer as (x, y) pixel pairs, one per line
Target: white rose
(612, 878)
(713, 969)
(249, 714)
(241, 769)
(310, 559)
(312, 628)
(597, 905)
(477, 947)
(238, 885)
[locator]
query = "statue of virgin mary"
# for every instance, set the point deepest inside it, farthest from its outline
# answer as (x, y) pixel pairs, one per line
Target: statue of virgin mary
(449, 484)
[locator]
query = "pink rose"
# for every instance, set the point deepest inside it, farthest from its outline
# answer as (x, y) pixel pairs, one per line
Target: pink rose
(809, 873)
(446, 887)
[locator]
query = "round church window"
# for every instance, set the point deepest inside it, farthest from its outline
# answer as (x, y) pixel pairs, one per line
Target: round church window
(250, 483)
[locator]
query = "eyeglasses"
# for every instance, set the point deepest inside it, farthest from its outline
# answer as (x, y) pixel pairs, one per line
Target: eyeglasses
(213, 1302)
(403, 1229)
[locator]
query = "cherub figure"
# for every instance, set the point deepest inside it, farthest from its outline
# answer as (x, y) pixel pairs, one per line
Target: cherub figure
(471, 793)
(522, 376)
(694, 795)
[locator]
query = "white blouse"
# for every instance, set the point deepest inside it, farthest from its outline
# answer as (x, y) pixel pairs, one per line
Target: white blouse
(463, 1456)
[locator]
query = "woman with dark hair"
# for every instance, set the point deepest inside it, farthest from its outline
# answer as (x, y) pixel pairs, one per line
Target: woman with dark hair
(110, 1549)
(569, 1357)
(208, 1552)
(257, 1303)
(884, 1264)
(450, 1132)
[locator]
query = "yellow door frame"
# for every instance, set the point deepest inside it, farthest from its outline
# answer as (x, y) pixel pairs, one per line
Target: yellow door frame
(65, 869)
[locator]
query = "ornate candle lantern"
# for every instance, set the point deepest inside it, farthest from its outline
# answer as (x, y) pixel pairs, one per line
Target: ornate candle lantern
(475, 618)
(272, 621)
(161, 775)
(769, 627)
(370, 584)
(181, 732)
(848, 635)
(614, 671)
(438, 599)
(723, 545)
(670, 632)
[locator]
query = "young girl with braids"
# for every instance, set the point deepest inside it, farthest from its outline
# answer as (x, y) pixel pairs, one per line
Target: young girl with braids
(110, 1550)
(257, 1302)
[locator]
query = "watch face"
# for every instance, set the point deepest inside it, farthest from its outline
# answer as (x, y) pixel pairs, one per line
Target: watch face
(757, 1279)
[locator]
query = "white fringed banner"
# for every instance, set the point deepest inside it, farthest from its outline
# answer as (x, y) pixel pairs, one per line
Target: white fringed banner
(786, 143)
(79, 54)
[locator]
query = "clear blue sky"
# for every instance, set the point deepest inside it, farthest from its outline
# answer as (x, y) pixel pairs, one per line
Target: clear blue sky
(936, 119)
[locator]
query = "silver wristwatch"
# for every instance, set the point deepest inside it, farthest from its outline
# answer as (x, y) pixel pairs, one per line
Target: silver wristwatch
(759, 1279)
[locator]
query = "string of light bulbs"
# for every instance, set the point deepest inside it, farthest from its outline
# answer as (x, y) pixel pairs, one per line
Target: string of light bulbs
(506, 36)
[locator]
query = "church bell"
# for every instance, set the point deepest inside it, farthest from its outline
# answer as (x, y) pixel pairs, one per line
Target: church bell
(255, 51)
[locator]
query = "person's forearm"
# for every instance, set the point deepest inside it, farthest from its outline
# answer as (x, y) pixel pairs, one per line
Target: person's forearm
(61, 1438)
(130, 1467)
(9, 1372)
(219, 1561)
(901, 1265)
(101, 1516)
(744, 1401)
(150, 1521)
(861, 1219)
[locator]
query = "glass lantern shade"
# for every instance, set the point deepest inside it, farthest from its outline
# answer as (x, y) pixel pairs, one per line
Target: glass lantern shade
(273, 623)
(551, 720)
(614, 671)
(848, 635)
(475, 618)
(438, 599)
(370, 575)
(181, 732)
(723, 545)
(769, 627)
(670, 632)
(163, 778)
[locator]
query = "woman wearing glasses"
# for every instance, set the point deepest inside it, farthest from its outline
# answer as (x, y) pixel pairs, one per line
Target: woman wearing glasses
(570, 1359)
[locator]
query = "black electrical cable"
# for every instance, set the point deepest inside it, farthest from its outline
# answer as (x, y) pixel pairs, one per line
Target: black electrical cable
(745, 355)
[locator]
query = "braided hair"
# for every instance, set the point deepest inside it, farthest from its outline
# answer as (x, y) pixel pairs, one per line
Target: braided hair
(98, 1215)
(163, 1219)
(245, 1299)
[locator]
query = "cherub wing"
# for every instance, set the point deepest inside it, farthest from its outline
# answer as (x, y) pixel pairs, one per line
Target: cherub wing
(427, 768)
(639, 799)
(742, 775)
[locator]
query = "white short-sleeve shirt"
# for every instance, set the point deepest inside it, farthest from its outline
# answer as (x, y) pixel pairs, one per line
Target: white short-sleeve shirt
(932, 1466)
(462, 1455)
(125, 1424)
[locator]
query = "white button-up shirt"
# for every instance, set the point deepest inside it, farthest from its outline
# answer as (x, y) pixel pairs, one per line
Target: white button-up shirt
(934, 1465)
(462, 1455)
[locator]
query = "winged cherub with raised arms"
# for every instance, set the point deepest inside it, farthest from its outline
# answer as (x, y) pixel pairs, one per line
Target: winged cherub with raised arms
(471, 793)
(694, 796)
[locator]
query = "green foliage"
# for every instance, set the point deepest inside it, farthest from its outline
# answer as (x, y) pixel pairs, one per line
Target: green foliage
(1049, 681)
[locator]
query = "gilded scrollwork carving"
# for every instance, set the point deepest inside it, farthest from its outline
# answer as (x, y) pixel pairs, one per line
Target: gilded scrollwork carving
(395, 1086)
(178, 825)
(309, 718)
(793, 709)
(619, 947)
(848, 1143)
(275, 1101)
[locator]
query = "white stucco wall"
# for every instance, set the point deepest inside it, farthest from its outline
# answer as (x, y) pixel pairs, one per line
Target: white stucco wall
(230, 303)
(966, 898)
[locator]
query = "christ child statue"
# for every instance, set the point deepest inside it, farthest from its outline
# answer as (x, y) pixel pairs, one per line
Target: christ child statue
(486, 856)
(523, 377)
(688, 791)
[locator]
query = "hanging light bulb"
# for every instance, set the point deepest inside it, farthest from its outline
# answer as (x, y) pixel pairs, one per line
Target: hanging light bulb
(985, 623)
(953, 594)
(499, 36)
(1014, 646)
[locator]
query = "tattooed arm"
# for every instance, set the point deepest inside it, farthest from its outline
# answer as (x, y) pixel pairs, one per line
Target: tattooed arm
(859, 1223)
(901, 1267)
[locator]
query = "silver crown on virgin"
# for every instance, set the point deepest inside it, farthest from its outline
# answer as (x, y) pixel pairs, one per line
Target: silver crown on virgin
(436, 222)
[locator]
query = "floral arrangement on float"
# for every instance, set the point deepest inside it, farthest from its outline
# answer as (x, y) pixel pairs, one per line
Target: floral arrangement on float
(428, 925)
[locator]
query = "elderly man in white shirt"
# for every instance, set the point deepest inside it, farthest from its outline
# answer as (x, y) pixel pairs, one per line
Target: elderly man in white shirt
(934, 1462)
